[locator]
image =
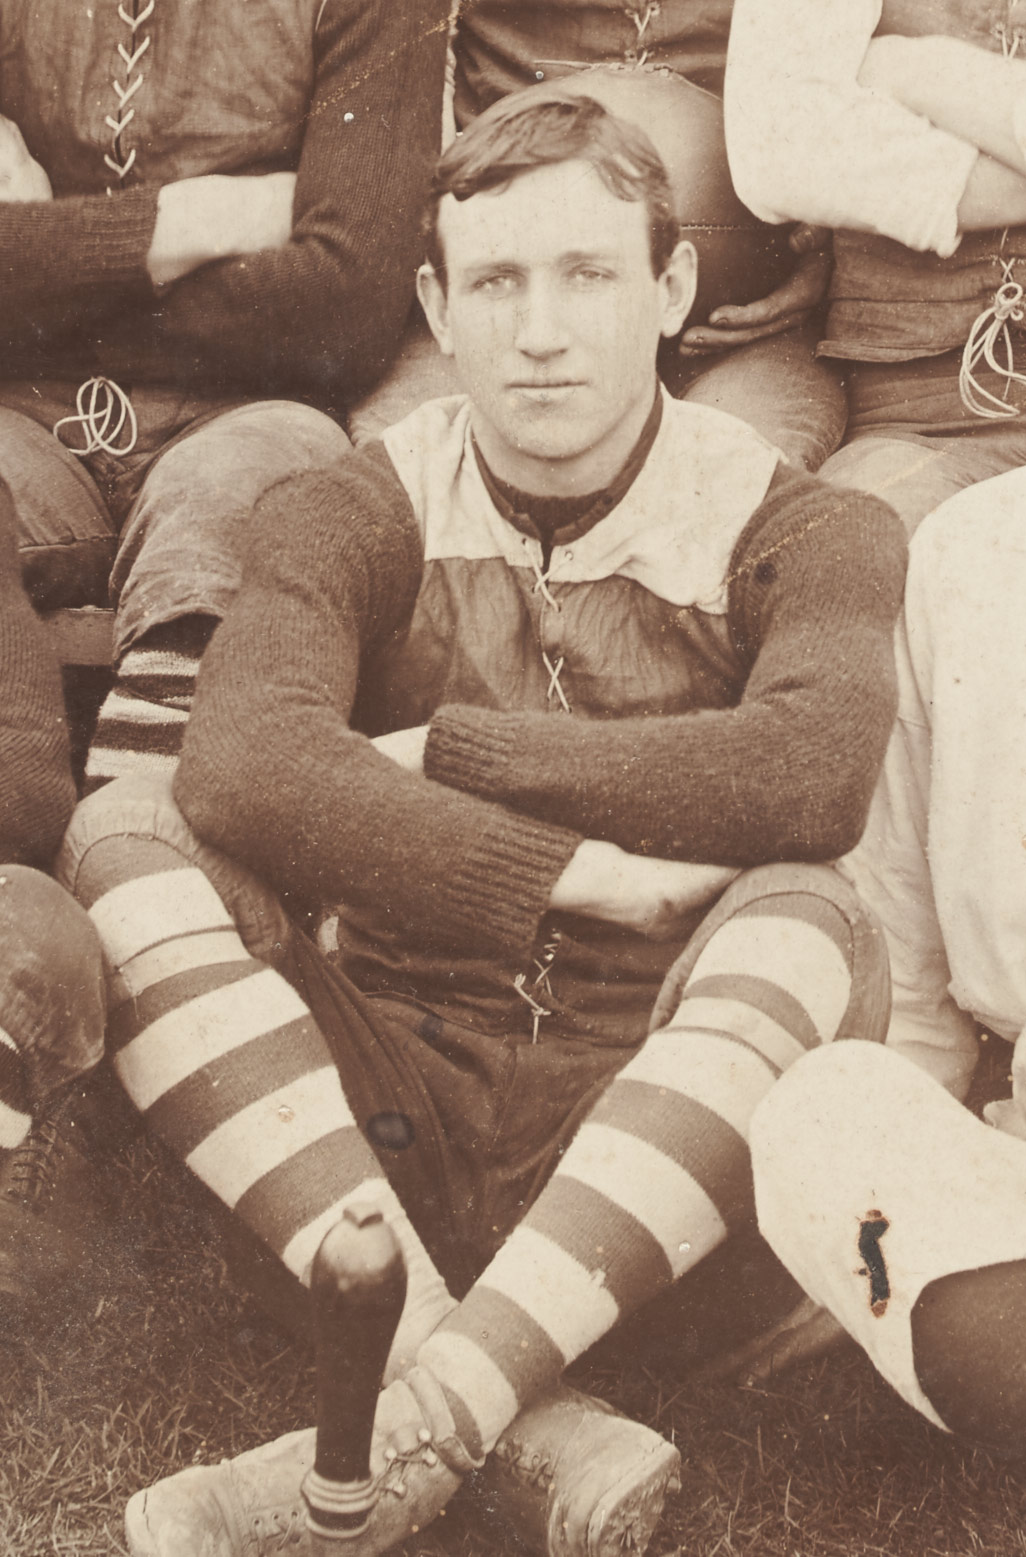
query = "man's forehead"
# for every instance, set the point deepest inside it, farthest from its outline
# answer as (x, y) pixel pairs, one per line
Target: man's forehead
(561, 210)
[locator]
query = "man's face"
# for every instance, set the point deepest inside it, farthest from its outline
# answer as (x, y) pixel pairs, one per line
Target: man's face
(553, 316)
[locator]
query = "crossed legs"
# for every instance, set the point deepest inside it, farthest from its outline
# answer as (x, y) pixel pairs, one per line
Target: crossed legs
(226, 1062)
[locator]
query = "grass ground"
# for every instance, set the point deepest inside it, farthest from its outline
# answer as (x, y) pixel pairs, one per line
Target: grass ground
(160, 1362)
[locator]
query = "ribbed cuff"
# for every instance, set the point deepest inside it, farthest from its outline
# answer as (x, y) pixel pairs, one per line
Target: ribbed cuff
(114, 236)
(471, 749)
(500, 889)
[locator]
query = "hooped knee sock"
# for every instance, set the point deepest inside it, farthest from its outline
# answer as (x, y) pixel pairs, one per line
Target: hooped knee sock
(660, 1170)
(228, 1066)
(142, 721)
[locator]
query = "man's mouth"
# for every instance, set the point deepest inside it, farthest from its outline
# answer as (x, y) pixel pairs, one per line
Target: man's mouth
(545, 391)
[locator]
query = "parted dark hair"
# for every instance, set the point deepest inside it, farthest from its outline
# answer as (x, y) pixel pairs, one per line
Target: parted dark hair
(537, 128)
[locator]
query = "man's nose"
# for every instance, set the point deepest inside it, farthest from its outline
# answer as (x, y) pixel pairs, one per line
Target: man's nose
(541, 320)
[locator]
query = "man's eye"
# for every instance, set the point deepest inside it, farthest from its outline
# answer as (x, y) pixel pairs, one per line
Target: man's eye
(495, 286)
(591, 275)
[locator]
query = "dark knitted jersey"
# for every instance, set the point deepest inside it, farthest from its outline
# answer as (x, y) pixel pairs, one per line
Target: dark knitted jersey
(500, 46)
(116, 100)
(705, 674)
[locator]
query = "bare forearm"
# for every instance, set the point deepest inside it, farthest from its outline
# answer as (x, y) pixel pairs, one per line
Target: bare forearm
(995, 196)
(652, 896)
(965, 90)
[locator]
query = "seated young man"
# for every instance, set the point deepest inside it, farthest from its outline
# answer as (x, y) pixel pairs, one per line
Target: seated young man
(52, 1004)
(570, 693)
(757, 360)
(942, 862)
(900, 124)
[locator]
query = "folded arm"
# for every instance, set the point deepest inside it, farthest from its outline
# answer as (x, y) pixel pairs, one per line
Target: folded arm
(272, 772)
(327, 306)
(294, 280)
(788, 773)
(815, 134)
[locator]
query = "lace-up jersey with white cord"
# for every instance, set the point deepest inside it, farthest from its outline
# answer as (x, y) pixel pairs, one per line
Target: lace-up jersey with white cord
(656, 613)
(121, 98)
(498, 51)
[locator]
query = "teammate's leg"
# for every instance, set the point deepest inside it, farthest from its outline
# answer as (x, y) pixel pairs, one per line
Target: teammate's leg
(179, 563)
(901, 1213)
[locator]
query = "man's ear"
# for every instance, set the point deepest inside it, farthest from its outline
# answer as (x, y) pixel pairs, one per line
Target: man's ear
(435, 303)
(679, 282)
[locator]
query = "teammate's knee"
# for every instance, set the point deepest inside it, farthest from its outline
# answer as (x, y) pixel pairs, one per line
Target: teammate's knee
(969, 1349)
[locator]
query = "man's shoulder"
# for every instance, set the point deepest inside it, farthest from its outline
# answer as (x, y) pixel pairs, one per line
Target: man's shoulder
(427, 451)
(432, 435)
(705, 477)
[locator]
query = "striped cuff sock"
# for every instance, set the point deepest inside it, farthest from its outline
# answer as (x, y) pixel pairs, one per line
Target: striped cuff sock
(143, 718)
(660, 1170)
(142, 721)
(227, 1064)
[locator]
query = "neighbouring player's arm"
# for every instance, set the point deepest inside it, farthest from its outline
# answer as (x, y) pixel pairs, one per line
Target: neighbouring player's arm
(807, 141)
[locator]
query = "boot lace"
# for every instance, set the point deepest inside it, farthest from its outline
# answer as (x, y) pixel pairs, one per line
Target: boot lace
(528, 1466)
(391, 1479)
(279, 1530)
(32, 1168)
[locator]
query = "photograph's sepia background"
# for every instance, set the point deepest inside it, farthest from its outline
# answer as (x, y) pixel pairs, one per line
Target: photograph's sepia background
(163, 1357)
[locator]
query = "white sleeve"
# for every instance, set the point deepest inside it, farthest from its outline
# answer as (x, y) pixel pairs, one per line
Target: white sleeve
(807, 143)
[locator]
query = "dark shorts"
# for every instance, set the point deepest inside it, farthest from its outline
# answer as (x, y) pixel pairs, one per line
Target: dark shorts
(467, 1125)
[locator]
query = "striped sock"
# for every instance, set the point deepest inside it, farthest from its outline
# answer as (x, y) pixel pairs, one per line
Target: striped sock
(228, 1066)
(15, 1113)
(142, 721)
(658, 1173)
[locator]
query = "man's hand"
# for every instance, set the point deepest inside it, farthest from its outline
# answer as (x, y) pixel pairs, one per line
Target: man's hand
(21, 177)
(218, 216)
(658, 898)
(406, 747)
(790, 305)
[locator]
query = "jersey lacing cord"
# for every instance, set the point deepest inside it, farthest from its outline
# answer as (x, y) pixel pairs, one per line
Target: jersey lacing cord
(120, 159)
(541, 982)
(991, 330)
(990, 333)
(641, 16)
(541, 587)
(1008, 34)
(104, 412)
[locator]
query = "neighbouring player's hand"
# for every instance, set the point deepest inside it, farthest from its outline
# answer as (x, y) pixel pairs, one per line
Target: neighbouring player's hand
(790, 305)
(218, 216)
(406, 747)
(21, 177)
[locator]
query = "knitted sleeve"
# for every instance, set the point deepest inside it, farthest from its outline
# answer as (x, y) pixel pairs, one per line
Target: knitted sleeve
(68, 261)
(271, 772)
(788, 773)
(37, 791)
(328, 308)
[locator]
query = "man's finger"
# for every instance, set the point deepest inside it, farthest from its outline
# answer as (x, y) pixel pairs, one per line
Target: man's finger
(703, 338)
